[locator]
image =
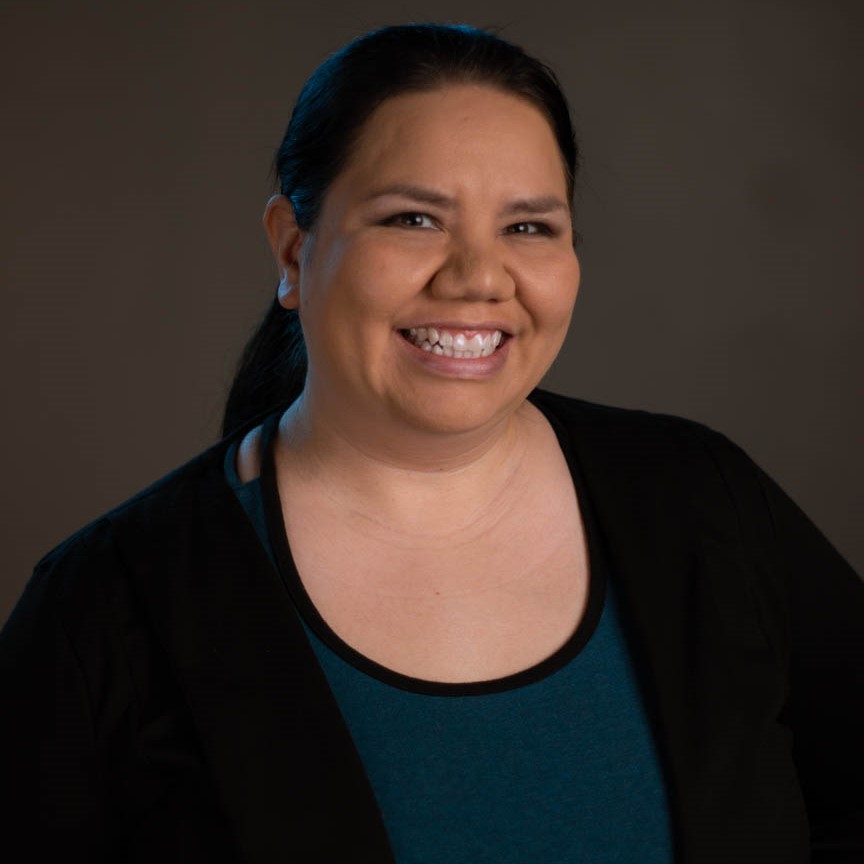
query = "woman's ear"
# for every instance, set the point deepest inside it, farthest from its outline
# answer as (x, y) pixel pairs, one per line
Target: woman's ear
(286, 240)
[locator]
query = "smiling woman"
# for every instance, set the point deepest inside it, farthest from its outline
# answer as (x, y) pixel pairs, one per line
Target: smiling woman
(412, 608)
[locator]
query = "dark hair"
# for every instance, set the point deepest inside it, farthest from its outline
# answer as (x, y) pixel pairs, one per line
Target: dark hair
(327, 119)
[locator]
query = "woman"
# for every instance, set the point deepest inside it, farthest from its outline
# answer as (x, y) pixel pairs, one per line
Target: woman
(412, 608)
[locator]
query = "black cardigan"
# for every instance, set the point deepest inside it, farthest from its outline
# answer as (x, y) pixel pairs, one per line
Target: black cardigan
(159, 700)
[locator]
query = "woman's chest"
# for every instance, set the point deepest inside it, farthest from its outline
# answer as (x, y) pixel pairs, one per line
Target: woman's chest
(471, 605)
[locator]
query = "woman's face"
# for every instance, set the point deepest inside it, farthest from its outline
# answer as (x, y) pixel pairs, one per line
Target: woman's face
(437, 286)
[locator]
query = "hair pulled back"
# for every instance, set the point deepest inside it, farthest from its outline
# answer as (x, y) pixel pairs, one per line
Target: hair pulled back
(327, 119)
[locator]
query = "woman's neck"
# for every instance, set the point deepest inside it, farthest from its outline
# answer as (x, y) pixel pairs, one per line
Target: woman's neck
(422, 480)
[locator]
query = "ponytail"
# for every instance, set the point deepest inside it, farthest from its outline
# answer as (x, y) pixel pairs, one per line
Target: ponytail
(271, 372)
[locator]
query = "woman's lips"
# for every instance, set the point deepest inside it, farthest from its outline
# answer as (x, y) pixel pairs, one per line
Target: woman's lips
(466, 344)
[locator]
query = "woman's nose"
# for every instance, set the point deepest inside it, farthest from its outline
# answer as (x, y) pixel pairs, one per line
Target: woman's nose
(474, 270)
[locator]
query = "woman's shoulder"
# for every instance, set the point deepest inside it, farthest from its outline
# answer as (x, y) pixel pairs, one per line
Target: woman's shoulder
(154, 522)
(158, 503)
(642, 461)
(692, 473)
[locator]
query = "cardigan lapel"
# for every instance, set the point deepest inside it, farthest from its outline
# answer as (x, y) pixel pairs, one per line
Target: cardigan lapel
(708, 677)
(609, 496)
(290, 779)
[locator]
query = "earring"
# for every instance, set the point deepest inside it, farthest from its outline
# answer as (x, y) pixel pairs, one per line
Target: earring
(286, 293)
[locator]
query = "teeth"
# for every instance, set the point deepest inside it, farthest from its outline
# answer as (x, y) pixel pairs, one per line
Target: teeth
(448, 344)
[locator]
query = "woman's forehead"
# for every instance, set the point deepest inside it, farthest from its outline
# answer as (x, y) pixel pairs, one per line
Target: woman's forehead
(456, 132)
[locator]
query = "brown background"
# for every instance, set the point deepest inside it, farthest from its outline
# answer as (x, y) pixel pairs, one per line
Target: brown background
(720, 208)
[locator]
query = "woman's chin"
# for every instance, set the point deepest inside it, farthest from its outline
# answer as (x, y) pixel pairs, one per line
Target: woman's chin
(462, 408)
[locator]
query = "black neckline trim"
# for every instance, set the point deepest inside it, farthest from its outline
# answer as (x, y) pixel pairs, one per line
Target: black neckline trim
(307, 610)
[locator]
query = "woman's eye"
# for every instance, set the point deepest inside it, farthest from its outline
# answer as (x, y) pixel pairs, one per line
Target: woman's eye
(529, 228)
(411, 220)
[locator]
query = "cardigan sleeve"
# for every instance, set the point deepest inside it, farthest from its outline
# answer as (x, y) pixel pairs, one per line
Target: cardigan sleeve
(817, 606)
(826, 625)
(52, 776)
(98, 759)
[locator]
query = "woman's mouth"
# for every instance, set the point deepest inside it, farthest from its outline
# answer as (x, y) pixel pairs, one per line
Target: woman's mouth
(462, 344)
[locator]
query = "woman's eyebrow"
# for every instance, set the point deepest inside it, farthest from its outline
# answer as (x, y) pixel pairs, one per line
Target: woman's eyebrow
(423, 195)
(535, 206)
(420, 194)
